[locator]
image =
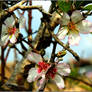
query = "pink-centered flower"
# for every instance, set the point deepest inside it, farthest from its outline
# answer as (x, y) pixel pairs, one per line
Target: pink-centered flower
(73, 25)
(45, 71)
(9, 31)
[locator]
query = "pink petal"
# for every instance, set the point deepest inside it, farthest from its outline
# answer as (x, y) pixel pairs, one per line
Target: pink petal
(62, 33)
(84, 27)
(76, 16)
(63, 69)
(34, 57)
(32, 75)
(59, 81)
(74, 38)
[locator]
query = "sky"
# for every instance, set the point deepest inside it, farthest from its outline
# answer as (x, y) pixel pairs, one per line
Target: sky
(84, 49)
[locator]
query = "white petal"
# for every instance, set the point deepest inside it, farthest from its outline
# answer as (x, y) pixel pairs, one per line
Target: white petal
(4, 40)
(13, 39)
(22, 22)
(10, 21)
(76, 16)
(65, 19)
(84, 26)
(4, 29)
(74, 37)
(42, 82)
(34, 57)
(32, 75)
(59, 81)
(62, 33)
(63, 69)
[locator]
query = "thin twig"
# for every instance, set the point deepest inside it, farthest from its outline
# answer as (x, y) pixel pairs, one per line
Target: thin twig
(65, 47)
(53, 52)
(7, 54)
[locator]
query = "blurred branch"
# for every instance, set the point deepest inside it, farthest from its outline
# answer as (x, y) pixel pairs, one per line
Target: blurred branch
(74, 78)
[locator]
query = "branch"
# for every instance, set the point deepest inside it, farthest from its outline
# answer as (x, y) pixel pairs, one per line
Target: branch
(64, 46)
(19, 5)
(2, 65)
(74, 78)
(53, 52)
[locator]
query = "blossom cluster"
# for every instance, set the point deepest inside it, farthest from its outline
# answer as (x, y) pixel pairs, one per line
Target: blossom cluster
(47, 71)
(72, 26)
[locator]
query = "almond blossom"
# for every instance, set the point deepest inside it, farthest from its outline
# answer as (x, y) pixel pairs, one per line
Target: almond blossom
(73, 25)
(45, 71)
(9, 30)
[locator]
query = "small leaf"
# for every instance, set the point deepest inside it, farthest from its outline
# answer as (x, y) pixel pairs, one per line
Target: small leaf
(88, 7)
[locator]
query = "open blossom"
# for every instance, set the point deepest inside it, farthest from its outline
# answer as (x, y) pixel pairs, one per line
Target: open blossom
(45, 71)
(73, 25)
(9, 30)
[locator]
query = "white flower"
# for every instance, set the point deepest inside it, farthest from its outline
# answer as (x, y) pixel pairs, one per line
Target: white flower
(73, 25)
(9, 31)
(47, 71)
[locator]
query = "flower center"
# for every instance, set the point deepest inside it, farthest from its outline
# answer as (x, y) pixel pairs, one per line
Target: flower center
(71, 26)
(11, 30)
(51, 72)
(42, 66)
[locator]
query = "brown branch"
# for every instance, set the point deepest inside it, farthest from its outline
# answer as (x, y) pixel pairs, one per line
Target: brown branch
(53, 52)
(2, 65)
(7, 54)
(19, 5)
(65, 47)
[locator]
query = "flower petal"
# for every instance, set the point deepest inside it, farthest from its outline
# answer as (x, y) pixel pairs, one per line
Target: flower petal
(4, 30)
(76, 16)
(32, 75)
(22, 22)
(42, 82)
(9, 21)
(84, 26)
(63, 69)
(34, 57)
(62, 33)
(65, 19)
(73, 38)
(4, 40)
(13, 39)
(59, 81)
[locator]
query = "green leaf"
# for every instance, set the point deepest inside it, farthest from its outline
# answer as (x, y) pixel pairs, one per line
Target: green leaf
(88, 7)
(64, 6)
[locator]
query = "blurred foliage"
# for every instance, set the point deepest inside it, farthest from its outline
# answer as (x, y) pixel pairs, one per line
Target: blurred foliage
(64, 6)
